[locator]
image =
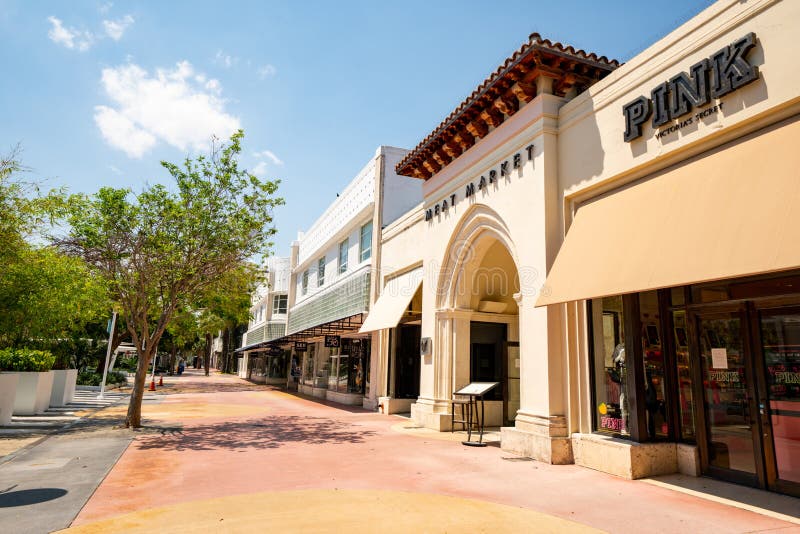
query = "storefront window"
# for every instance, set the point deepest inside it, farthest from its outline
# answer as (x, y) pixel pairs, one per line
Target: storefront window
(277, 366)
(308, 368)
(323, 366)
(683, 362)
(653, 355)
(609, 366)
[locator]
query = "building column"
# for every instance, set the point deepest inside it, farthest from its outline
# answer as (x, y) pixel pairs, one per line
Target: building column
(541, 428)
(450, 367)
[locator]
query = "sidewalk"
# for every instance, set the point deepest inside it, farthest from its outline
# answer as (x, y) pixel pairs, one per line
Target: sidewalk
(25, 430)
(53, 462)
(254, 459)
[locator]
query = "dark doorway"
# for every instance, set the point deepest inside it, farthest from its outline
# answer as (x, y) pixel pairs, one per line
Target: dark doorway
(487, 357)
(406, 362)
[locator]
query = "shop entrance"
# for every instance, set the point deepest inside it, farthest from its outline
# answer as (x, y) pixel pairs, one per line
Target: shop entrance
(407, 362)
(749, 365)
(488, 361)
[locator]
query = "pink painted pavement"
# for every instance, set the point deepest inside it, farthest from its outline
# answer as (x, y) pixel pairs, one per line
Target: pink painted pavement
(230, 438)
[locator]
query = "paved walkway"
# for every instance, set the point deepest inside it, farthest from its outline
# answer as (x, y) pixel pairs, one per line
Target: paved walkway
(254, 459)
(24, 430)
(53, 462)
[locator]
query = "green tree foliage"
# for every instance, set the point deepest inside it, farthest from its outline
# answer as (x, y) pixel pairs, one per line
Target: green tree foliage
(160, 250)
(46, 297)
(226, 305)
(23, 209)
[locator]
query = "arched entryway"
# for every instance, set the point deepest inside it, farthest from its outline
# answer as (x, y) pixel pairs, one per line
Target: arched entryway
(477, 317)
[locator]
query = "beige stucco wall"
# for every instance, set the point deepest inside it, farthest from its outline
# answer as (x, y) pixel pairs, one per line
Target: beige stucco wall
(592, 152)
(516, 212)
(579, 152)
(399, 253)
(594, 159)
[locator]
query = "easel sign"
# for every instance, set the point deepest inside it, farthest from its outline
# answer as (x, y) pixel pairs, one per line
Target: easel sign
(474, 391)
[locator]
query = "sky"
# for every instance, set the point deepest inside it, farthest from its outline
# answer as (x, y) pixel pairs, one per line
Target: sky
(99, 93)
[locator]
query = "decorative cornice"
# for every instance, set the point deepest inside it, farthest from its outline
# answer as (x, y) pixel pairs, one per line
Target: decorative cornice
(538, 66)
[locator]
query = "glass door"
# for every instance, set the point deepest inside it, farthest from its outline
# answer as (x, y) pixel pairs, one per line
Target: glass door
(512, 386)
(730, 423)
(779, 330)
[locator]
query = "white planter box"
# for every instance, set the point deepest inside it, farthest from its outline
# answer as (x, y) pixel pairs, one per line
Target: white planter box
(8, 391)
(33, 393)
(63, 386)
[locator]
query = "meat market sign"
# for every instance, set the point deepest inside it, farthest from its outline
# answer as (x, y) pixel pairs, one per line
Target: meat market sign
(714, 77)
(503, 171)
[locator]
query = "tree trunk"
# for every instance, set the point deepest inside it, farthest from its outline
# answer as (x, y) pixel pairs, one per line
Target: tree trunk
(134, 417)
(207, 355)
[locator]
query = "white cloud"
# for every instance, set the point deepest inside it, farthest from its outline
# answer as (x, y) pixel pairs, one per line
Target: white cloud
(213, 85)
(116, 28)
(105, 8)
(121, 132)
(115, 170)
(260, 169)
(167, 106)
(69, 37)
(266, 70)
(225, 60)
(269, 154)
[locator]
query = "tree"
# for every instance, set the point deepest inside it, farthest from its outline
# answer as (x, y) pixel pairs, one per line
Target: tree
(161, 249)
(23, 209)
(46, 296)
(225, 306)
(46, 299)
(220, 308)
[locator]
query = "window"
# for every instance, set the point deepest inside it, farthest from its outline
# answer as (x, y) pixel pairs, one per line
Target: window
(609, 366)
(366, 242)
(343, 249)
(655, 393)
(320, 271)
(279, 304)
(305, 282)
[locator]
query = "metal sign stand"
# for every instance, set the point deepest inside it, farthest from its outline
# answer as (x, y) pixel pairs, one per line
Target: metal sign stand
(476, 391)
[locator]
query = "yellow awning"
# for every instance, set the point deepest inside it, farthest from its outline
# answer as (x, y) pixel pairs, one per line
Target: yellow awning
(732, 212)
(388, 309)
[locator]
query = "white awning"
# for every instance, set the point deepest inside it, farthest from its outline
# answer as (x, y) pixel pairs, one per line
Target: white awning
(730, 213)
(388, 309)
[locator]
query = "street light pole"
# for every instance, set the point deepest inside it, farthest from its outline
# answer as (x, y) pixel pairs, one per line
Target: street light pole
(108, 354)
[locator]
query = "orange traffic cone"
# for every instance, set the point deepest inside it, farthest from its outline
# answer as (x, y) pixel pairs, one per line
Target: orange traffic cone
(160, 380)
(153, 384)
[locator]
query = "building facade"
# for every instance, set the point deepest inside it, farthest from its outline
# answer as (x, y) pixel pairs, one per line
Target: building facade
(332, 284)
(615, 247)
(268, 316)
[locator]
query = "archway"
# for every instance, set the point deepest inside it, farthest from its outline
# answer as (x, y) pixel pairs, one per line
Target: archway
(477, 319)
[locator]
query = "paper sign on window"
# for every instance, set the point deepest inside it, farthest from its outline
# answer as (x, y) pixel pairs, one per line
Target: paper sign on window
(719, 358)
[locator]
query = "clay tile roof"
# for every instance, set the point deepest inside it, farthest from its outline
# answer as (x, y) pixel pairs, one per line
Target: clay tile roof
(482, 97)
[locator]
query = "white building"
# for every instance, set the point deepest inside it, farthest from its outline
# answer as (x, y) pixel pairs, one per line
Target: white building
(268, 315)
(332, 281)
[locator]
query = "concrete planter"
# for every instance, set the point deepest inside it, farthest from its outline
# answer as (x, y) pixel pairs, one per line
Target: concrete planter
(33, 393)
(63, 386)
(8, 391)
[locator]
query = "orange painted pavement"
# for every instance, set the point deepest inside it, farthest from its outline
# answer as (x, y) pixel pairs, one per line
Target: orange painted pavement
(258, 456)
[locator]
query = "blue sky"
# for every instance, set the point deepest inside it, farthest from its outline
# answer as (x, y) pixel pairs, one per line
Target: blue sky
(97, 93)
